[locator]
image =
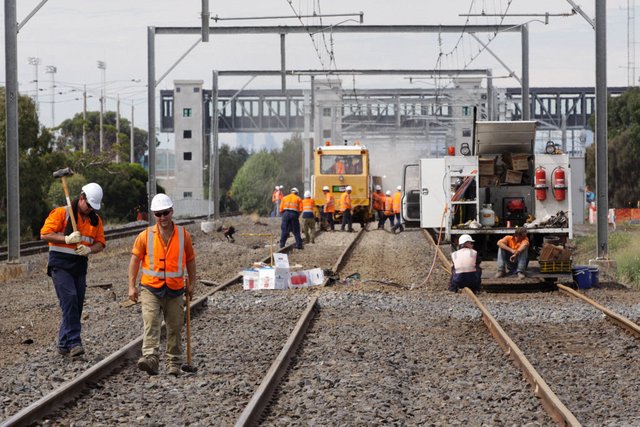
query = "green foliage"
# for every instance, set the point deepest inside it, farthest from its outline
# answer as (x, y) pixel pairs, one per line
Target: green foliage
(623, 150)
(290, 157)
(230, 162)
(252, 186)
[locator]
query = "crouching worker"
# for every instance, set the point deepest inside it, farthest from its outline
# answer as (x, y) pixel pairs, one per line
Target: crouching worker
(466, 271)
(165, 252)
(513, 254)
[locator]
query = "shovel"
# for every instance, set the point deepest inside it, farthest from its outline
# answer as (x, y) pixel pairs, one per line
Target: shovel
(188, 367)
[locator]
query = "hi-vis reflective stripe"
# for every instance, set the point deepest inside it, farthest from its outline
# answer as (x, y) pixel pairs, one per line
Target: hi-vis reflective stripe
(150, 251)
(62, 249)
(464, 260)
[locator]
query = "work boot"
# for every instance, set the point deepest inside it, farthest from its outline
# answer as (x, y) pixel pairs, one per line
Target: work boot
(173, 370)
(521, 275)
(149, 364)
(499, 274)
(76, 351)
(63, 351)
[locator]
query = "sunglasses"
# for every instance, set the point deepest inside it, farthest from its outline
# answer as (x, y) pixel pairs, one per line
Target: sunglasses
(162, 213)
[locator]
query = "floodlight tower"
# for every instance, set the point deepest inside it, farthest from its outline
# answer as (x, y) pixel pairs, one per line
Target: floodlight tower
(50, 69)
(35, 61)
(102, 65)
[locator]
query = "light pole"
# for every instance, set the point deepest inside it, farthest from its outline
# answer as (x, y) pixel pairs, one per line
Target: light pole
(35, 61)
(50, 69)
(102, 65)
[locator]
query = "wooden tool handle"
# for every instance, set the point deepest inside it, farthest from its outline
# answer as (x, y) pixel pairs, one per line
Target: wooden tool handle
(69, 208)
(188, 329)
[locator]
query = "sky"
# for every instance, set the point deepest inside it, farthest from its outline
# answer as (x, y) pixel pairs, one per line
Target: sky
(73, 35)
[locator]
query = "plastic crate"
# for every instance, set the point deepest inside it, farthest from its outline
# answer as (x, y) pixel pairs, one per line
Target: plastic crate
(555, 266)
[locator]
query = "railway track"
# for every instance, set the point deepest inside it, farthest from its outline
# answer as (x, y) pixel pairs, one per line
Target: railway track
(360, 352)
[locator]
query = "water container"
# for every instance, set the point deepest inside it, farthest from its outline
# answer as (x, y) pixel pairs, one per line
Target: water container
(487, 216)
(595, 273)
(582, 276)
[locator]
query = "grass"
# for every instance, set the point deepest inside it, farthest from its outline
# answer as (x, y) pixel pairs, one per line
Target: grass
(624, 248)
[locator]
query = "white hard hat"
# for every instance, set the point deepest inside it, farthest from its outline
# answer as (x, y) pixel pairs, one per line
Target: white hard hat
(348, 188)
(378, 188)
(388, 193)
(399, 187)
(464, 239)
(93, 193)
(277, 188)
(307, 194)
(294, 190)
(281, 187)
(325, 188)
(161, 202)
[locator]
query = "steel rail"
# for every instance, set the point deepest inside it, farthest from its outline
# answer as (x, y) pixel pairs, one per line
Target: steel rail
(550, 401)
(345, 254)
(260, 399)
(69, 390)
(620, 320)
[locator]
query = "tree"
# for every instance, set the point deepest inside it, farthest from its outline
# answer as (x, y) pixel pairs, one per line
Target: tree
(290, 159)
(623, 150)
(230, 163)
(253, 184)
(71, 135)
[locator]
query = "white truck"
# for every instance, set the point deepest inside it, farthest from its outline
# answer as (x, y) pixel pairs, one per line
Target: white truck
(492, 183)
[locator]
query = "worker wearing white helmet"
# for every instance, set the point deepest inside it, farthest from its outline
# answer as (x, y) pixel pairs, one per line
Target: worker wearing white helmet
(387, 211)
(308, 218)
(377, 203)
(328, 210)
(345, 208)
(275, 202)
(70, 243)
(163, 253)
(466, 271)
(290, 208)
(397, 207)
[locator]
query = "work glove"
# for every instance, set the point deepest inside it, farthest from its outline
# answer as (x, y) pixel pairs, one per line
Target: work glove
(72, 238)
(83, 250)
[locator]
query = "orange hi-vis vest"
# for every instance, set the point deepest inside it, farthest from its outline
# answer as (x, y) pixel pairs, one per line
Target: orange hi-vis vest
(329, 203)
(345, 202)
(388, 205)
(56, 222)
(464, 260)
(340, 168)
(280, 195)
(162, 264)
(291, 202)
(274, 196)
(397, 199)
(308, 205)
(378, 201)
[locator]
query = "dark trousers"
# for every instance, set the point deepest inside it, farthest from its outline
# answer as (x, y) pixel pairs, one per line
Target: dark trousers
(70, 290)
(327, 218)
(466, 280)
(398, 223)
(290, 223)
(383, 219)
(346, 220)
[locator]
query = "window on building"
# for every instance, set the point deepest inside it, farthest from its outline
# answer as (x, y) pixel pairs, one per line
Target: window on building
(326, 112)
(177, 89)
(187, 195)
(196, 89)
(326, 133)
(186, 134)
(186, 112)
(186, 155)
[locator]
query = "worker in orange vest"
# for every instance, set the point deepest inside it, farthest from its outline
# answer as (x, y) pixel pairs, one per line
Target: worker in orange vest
(275, 202)
(339, 167)
(388, 211)
(378, 204)
(308, 218)
(397, 205)
(345, 209)
(328, 209)
(279, 196)
(290, 208)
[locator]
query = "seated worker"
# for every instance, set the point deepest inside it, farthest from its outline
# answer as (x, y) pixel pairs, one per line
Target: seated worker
(339, 168)
(466, 271)
(513, 253)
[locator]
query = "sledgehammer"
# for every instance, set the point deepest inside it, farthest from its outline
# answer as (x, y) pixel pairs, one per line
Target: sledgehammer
(63, 174)
(188, 367)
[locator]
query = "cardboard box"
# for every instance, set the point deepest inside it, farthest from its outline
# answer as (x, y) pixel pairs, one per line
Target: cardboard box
(517, 162)
(551, 252)
(268, 278)
(250, 279)
(303, 279)
(486, 166)
(489, 180)
(513, 177)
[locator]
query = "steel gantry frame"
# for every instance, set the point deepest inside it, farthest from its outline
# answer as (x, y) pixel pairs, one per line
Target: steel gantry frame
(282, 31)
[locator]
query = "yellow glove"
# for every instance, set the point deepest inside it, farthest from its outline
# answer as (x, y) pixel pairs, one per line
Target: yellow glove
(72, 238)
(83, 250)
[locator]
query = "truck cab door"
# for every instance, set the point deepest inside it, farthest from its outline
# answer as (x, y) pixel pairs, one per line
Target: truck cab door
(432, 194)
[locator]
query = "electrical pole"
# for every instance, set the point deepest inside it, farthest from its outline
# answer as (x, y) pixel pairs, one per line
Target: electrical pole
(84, 120)
(602, 191)
(50, 69)
(118, 129)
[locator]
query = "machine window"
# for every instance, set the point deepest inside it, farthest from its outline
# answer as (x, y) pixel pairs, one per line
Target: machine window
(341, 164)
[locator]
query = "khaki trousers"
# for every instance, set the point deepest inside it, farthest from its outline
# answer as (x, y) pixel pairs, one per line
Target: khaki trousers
(309, 228)
(154, 310)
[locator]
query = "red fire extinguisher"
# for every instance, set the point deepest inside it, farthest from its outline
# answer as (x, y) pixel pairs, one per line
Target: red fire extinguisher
(541, 184)
(559, 184)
